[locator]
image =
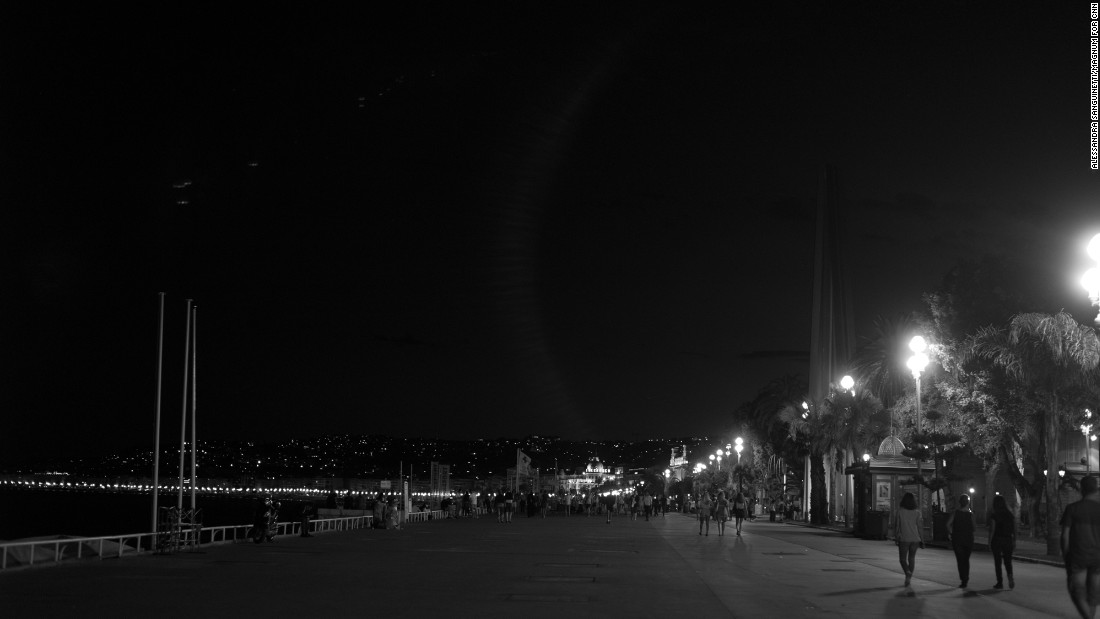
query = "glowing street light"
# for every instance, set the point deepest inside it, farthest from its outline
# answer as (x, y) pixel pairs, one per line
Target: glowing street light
(1091, 279)
(847, 384)
(738, 446)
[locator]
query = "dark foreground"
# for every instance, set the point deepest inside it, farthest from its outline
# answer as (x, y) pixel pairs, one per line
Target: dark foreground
(558, 567)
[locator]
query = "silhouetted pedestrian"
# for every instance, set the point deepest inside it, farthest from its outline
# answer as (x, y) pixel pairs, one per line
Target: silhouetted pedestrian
(1081, 548)
(960, 532)
(1002, 540)
(307, 513)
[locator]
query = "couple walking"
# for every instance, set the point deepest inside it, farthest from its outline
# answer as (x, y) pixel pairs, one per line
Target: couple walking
(1002, 539)
(908, 533)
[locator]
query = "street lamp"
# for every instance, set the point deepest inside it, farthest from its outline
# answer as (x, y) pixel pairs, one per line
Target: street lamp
(1091, 279)
(847, 383)
(917, 363)
(1085, 429)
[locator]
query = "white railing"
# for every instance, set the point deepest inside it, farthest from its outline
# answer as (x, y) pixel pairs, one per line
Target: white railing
(30, 553)
(52, 551)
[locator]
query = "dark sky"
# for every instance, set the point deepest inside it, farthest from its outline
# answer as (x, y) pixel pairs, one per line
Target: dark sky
(501, 219)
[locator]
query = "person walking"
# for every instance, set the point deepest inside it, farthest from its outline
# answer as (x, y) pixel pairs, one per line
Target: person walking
(908, 527)
(960, 532)
(721, 512)
(1002, 540)
(306, 514)
(647, 504)
(740, 510)
(1081, 548)
(703, 508)
(498, 502)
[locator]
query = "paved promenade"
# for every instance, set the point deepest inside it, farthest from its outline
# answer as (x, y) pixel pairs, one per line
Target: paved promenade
(557, 567)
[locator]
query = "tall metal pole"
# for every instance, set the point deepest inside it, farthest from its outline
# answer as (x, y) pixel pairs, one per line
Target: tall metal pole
(1088, 465)
(916, 375)
(194, 394)
(183, 416)
(156, 437)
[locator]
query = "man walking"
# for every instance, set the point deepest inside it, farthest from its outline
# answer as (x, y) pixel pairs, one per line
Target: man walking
(1081, 549)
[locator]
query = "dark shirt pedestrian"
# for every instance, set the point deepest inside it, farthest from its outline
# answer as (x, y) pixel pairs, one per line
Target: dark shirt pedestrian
(1002, 540)
(960, 530)
(1081, 548)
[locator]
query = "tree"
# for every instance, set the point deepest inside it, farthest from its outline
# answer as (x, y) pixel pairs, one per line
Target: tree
(879, 363)
(1052, 357)
(814, 428)
(763, 413)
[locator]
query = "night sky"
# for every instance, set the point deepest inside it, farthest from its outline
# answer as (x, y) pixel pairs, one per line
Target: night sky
(591, 220)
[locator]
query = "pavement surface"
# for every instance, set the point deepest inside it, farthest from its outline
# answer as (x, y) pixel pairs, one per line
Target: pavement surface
(556, 567)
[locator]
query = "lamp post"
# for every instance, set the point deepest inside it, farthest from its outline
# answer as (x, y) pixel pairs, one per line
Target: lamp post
(1091, 279)
(738, 446)
(807, 487)
(847, 383)
(917, 363)
(862, 495)
(972, 495)
(1086, 428)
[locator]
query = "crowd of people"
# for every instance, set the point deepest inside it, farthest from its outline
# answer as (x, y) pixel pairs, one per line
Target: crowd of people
(506, 503)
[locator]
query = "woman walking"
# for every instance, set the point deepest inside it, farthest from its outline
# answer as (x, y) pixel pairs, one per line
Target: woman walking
(703, 509)
(1002, 540)
(722, 512)
(740, 509)
(960, 532)
(908, 525)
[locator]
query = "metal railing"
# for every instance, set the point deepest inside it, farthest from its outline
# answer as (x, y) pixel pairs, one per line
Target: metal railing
(36, 552)
(53, 551)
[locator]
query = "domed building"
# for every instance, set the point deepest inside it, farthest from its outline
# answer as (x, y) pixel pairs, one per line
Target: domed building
(880, 482)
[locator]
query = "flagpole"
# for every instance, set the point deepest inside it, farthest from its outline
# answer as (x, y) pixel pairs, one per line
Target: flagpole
(183, 416)
(194, 394)
(156, 437)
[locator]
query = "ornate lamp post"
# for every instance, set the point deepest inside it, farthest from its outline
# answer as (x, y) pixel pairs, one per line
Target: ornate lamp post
(1086, 428)
(917, 363)
(847, 383)
(738, 446)
(862, 494)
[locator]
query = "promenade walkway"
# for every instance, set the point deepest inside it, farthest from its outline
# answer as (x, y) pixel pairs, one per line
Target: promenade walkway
(558, 567)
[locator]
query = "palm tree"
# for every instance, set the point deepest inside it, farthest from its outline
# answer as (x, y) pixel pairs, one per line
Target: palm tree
(814, 430)
(879, 363)
(765, 420)
(1052, 356)
(849, 418)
